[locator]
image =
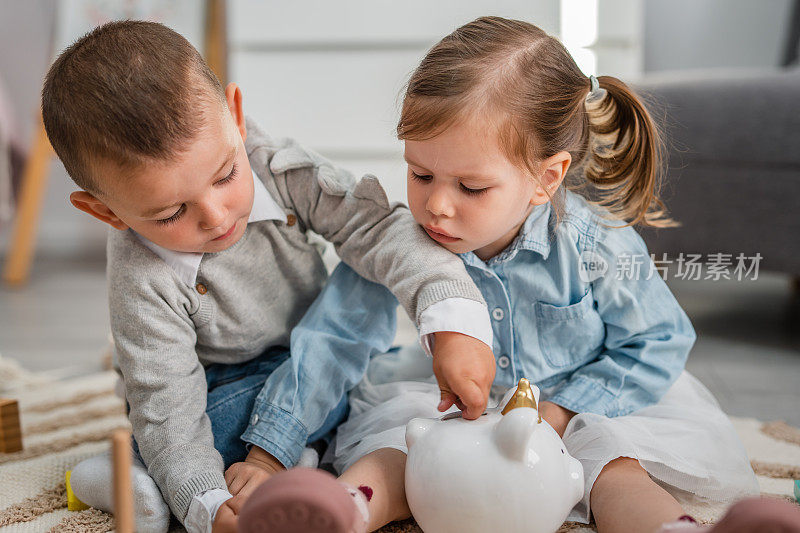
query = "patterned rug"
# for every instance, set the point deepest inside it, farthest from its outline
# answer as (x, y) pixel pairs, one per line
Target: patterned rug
(64, 422)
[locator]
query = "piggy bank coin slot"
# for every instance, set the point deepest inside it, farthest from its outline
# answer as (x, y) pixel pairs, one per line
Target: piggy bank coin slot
(457, 414)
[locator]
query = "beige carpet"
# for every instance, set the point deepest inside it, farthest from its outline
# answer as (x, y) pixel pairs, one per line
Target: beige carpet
(67, 421)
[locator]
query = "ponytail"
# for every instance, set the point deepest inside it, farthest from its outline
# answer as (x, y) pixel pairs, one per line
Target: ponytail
(626, 153)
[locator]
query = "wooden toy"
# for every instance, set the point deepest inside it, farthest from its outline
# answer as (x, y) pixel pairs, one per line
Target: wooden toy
(73, 503)
(123, 492)
(10, 430)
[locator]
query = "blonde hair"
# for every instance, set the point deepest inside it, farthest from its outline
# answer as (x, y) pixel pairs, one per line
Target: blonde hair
(493, 65)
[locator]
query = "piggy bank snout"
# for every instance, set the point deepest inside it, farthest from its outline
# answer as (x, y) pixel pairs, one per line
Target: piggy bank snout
(416, 428)
(576, 477)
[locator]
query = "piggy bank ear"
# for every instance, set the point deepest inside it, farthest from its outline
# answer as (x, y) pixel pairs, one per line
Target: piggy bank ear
(513, 432)
(416, 428)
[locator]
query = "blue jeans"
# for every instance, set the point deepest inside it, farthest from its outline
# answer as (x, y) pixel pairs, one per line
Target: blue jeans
(232, 390)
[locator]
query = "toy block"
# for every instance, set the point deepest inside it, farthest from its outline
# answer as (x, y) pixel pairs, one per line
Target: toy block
(10, 430)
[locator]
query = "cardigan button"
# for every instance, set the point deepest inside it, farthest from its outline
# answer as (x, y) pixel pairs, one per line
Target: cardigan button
(291, 220)
(201, 288)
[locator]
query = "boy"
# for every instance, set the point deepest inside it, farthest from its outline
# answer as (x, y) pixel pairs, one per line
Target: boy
(210, 267)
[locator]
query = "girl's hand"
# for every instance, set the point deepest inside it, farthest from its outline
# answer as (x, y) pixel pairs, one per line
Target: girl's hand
(464, 368)
(555, 415)
(243, 478)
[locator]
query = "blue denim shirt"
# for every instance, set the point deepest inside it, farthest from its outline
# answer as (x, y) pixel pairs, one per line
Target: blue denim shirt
(569, 313)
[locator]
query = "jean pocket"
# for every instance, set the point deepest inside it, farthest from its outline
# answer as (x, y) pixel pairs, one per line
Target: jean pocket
(569, 335)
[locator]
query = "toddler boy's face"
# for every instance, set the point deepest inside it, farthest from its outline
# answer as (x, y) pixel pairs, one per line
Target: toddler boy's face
(199, 202)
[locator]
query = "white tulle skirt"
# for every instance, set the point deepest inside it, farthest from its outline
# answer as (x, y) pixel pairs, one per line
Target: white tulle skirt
(685, 442)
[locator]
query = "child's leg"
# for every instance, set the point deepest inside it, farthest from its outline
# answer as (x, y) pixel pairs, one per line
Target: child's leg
(625, 499)
(382, 471)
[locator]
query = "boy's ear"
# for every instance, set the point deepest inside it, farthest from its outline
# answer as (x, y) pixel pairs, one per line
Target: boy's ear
(554, 170)
(233, 95)
(88, 203)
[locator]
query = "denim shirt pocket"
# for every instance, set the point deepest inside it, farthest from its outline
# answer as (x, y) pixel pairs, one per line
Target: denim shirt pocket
(571, 335)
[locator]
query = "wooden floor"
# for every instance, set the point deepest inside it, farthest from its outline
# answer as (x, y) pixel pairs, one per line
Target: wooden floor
(747, 353)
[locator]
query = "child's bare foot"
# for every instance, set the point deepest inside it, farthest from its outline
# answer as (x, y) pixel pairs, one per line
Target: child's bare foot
(304, 500)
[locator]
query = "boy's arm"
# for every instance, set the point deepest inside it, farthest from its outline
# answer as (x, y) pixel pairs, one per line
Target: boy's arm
(351, 320)
(381, 242)
(648, 336)
(165, 387)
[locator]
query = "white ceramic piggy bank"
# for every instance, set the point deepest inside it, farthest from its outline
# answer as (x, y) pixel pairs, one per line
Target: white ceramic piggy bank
(506, 471)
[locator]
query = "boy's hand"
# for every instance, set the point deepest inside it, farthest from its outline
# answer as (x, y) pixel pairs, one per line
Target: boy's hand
(558, 417)
(226, 520)
(242, 478)
(464, 368)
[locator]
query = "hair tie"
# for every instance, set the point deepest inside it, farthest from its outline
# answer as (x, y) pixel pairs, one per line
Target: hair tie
(595, 92)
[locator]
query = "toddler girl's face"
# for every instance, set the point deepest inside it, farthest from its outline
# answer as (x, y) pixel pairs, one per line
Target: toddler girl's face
(465, 193)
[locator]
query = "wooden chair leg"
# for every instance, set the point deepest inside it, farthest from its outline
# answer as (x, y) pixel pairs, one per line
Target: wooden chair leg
(216, 50)
(34, 180)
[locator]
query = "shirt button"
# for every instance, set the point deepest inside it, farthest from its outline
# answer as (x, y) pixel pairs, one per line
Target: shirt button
(498, 313)
(201, 288)
(255, 419)
(503, 361)
(291, 220)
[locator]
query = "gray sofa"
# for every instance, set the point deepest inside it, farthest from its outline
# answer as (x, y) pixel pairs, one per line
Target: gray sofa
(733, 179)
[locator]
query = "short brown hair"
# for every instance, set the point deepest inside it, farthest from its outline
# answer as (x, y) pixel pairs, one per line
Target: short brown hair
(495, 64)
(126, 93)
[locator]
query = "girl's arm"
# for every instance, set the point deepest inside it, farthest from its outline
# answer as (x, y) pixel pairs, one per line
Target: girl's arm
(648, 335)
(350, 321)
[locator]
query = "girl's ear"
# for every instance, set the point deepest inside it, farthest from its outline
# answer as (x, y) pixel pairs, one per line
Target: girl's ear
(233, 95)
(554, 169)
(88, 203)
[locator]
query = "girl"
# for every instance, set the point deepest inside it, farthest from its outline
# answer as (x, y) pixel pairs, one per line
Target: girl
(501, 129)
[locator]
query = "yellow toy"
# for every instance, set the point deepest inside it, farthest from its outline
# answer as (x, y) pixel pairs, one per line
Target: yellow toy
(73, 503)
